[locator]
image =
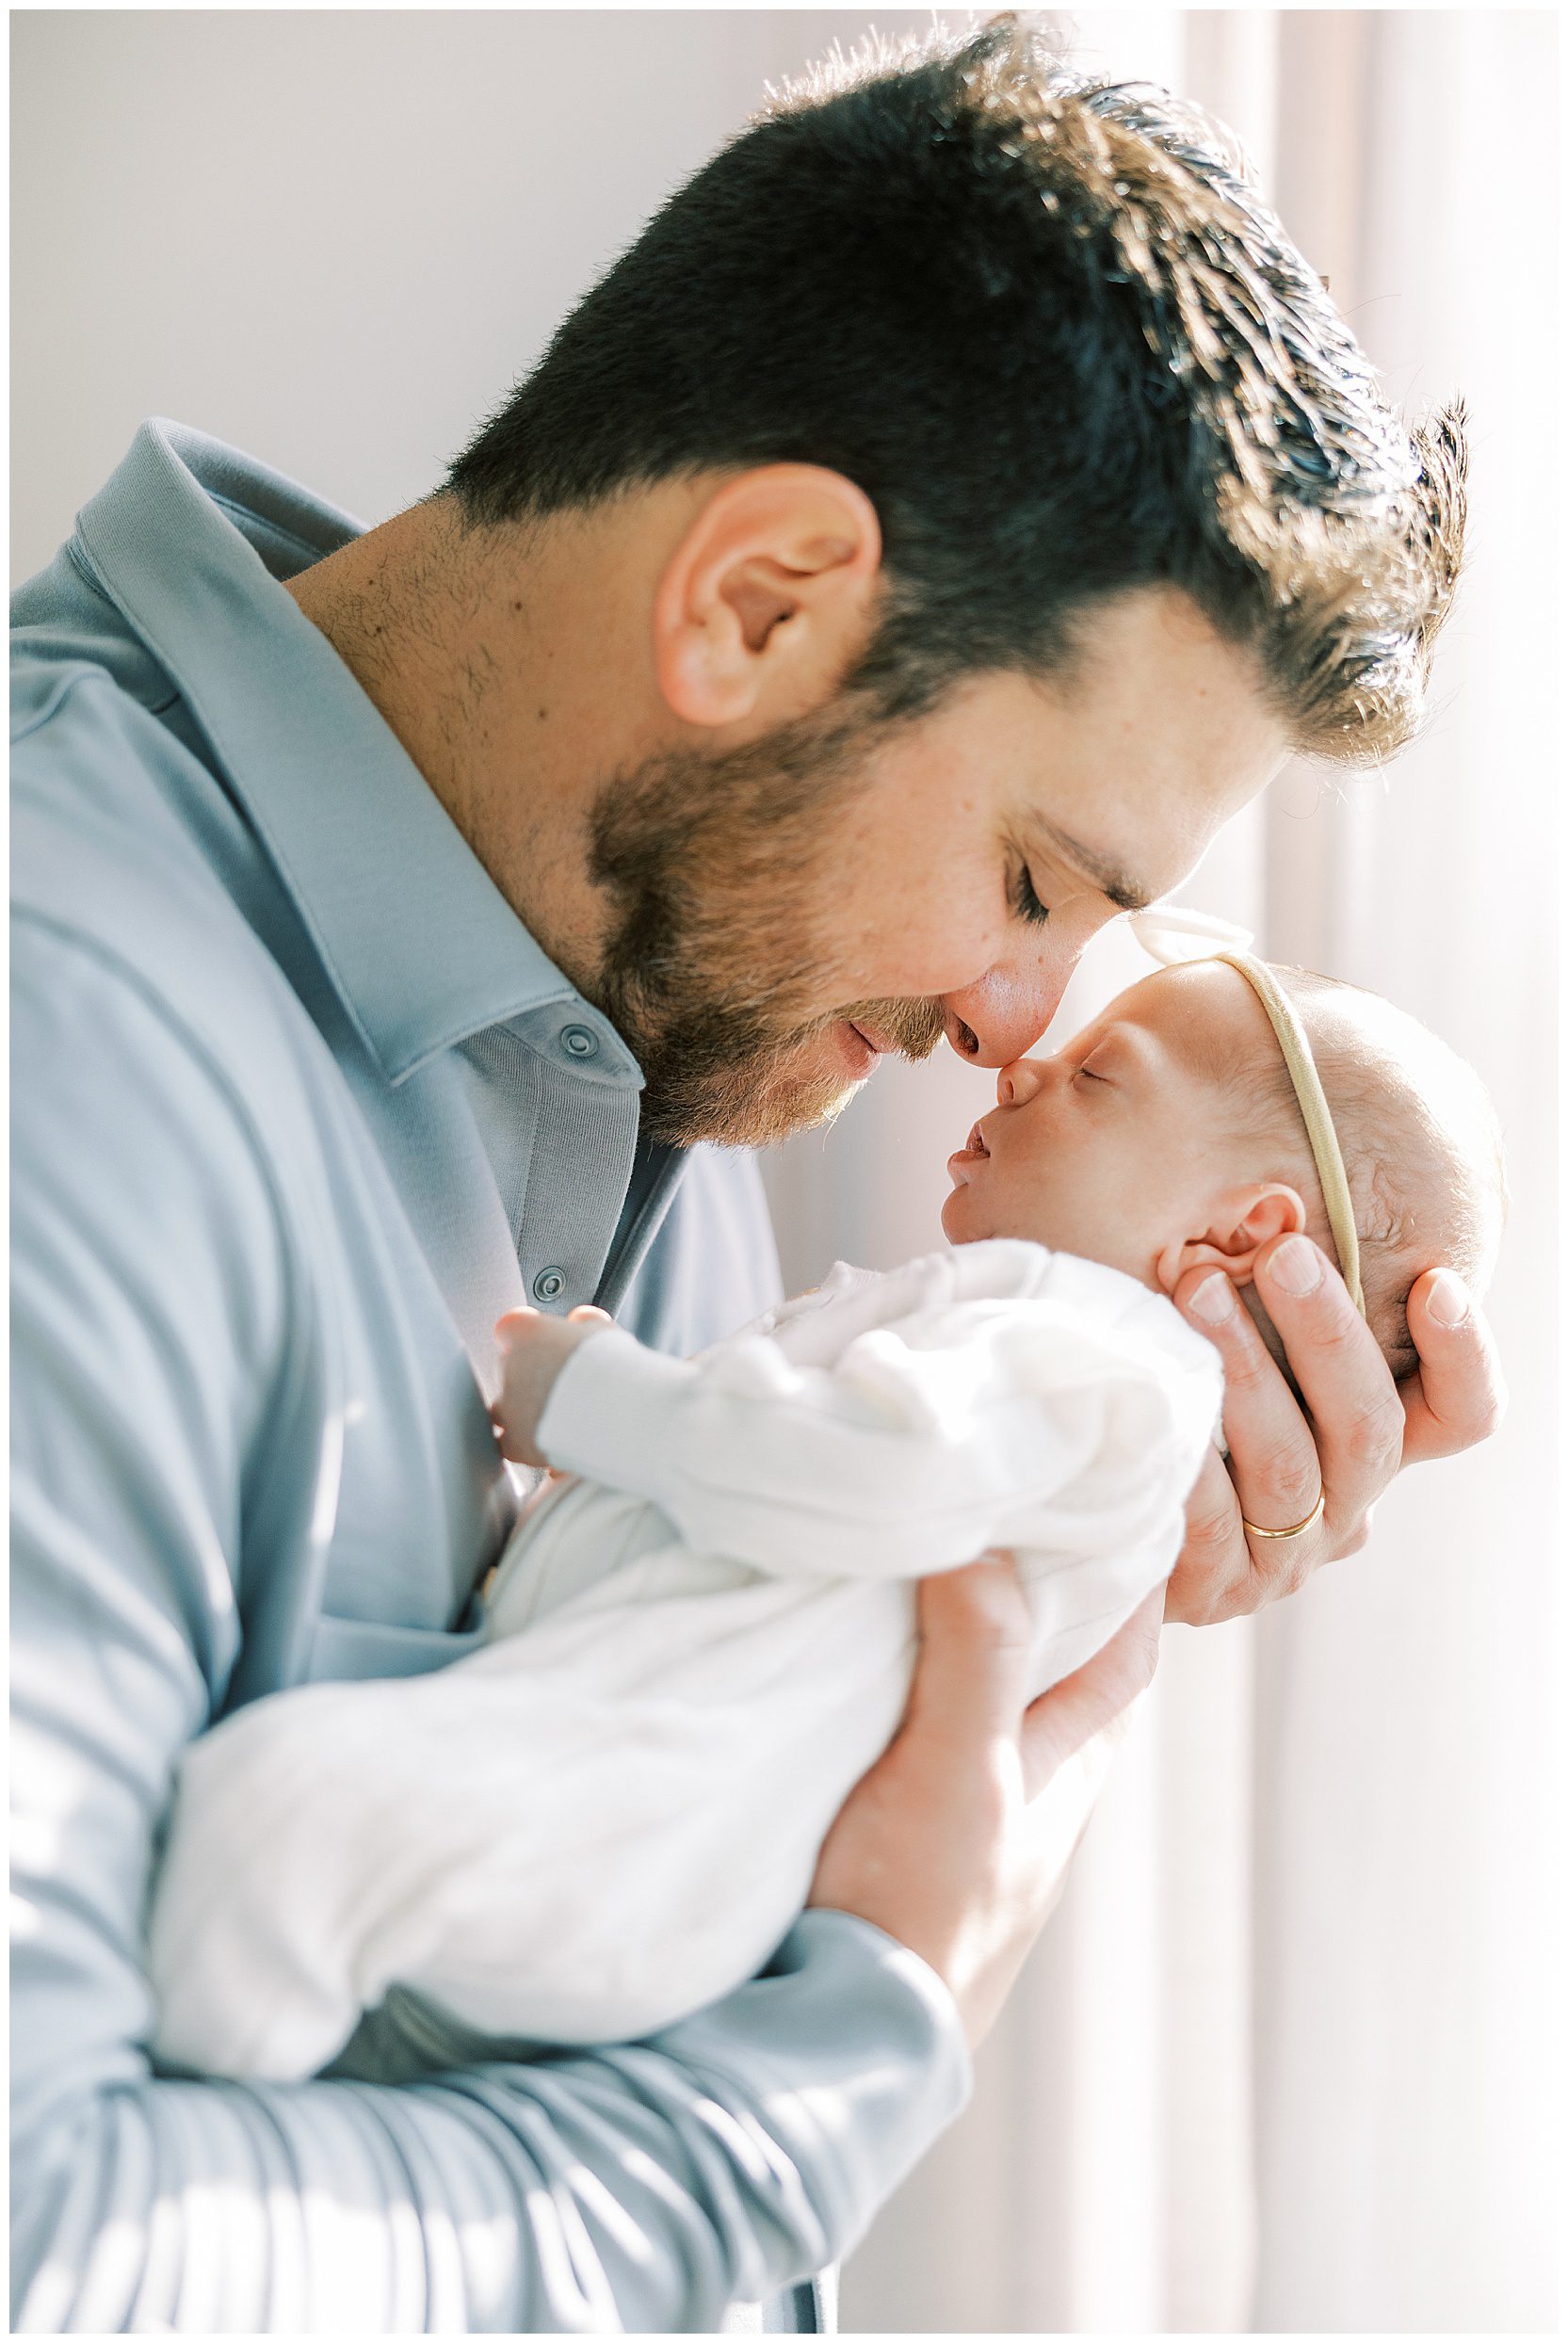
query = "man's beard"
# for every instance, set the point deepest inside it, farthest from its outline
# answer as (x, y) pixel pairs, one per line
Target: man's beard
(715, 966)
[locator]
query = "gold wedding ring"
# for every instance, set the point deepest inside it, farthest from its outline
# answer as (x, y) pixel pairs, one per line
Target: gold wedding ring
(1314, 1516)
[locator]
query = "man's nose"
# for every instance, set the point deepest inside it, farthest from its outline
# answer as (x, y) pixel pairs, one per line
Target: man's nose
(1002, 1015)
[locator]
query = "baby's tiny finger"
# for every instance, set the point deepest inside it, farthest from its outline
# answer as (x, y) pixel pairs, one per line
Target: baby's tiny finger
(513, 1324)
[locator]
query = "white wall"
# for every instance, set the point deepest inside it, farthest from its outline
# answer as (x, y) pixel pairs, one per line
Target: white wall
(334, 238)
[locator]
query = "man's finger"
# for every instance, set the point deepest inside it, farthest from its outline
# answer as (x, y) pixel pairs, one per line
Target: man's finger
(1274, 1460)
(1459, 1396)
(1344, 1378)
(973, 1665)
(1065, 1719)
(1212, 1579)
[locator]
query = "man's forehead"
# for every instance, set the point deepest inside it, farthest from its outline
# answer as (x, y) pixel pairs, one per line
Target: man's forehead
(1157, 737)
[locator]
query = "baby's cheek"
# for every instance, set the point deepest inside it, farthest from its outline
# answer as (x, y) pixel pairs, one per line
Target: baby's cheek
(1024, 1202)
(1066, 1209)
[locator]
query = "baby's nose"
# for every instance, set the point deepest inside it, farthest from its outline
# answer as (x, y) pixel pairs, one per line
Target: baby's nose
(1018, 1082)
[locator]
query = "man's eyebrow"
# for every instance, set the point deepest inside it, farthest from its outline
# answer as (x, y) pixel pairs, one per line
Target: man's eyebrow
(1113, 882)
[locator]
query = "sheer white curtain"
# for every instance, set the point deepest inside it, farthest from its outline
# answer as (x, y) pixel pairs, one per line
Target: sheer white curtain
(1287, 2057)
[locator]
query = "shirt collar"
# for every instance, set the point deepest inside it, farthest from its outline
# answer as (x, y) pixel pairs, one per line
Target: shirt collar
(189, 538)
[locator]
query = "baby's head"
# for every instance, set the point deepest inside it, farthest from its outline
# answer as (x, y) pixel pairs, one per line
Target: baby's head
(1168, 1134)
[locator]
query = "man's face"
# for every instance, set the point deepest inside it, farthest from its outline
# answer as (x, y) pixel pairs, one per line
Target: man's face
(789, 908)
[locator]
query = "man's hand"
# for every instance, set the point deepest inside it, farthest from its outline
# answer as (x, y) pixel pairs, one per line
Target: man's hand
(957, 1842)
(1359, 1429)
(534, 1349)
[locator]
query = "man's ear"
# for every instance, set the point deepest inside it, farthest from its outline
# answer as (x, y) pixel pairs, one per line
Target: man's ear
(768, 598)
(1241, 1223)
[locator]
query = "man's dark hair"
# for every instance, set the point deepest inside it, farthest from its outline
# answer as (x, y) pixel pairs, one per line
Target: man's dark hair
(1052, 331)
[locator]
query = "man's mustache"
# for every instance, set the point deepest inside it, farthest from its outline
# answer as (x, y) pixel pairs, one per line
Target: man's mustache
(912, 1028)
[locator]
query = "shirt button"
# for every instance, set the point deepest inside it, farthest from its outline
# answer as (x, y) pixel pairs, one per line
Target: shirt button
(549, 1285)
(578, 1041)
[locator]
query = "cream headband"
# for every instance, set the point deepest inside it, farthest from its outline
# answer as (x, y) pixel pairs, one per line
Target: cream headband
(1173, 937)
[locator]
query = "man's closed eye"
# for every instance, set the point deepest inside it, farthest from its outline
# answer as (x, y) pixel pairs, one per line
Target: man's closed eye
(1026, 902)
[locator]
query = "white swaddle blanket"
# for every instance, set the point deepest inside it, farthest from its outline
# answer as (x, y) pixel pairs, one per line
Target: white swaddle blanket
(609, 1814)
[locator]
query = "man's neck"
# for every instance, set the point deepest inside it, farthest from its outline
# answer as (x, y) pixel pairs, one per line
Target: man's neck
(514, 667)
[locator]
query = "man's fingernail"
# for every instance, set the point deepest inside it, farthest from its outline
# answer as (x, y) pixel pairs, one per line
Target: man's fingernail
(1447, 1300)
(1298, 1265)
(1214, 1300)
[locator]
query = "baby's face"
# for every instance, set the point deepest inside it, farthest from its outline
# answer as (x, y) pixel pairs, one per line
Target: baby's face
(1114, 1148)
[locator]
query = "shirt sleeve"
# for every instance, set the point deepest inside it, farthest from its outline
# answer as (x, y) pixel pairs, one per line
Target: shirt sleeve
(157, 1332)
(903, 1424)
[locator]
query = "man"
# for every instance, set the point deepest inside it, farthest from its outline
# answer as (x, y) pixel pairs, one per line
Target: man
(954, 507)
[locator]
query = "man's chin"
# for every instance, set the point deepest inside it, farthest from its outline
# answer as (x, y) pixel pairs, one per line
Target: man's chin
(761, 1117)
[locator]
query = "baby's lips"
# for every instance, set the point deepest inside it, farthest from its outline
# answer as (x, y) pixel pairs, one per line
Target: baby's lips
(961, 1162)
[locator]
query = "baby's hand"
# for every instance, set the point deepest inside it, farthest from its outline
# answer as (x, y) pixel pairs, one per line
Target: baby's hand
(534, 1349)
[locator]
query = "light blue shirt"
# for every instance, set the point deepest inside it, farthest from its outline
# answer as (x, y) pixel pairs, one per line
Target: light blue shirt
(299, 1108)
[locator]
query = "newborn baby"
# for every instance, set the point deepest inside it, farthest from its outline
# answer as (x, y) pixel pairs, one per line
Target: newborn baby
(1169, 1133)
(610, 1813)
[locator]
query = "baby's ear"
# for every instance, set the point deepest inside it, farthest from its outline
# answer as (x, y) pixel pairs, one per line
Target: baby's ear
(1241, 1223)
